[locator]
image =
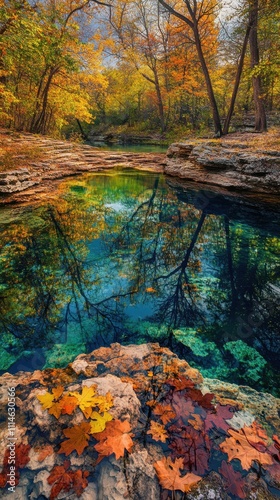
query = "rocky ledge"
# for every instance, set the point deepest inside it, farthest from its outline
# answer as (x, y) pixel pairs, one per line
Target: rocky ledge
(228, 164)
(60, 159)
(124, 422)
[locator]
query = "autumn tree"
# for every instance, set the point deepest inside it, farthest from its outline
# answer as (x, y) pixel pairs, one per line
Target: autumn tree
(197, 16)
(49, 65)
(260, 115)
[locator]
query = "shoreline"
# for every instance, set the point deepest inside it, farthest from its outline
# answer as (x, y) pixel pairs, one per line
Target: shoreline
(234, 165)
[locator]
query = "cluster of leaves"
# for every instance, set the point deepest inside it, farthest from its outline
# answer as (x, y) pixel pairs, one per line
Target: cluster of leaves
(197, 431)
(19, 461)
(197, 436)
(63, 479)
(112, 435)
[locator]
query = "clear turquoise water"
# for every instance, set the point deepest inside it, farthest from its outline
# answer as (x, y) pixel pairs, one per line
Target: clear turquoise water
(125, 257)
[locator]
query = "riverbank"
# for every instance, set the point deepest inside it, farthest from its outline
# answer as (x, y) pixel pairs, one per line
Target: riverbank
(247, 164)
(244, 163)
(30, 164)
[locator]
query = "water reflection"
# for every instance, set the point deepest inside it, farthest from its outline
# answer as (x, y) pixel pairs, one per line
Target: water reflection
(124, 257)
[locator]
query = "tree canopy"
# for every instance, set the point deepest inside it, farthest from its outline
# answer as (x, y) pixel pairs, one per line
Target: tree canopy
(155, 65)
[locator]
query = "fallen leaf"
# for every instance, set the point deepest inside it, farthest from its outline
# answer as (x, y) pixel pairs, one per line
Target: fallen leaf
(233, 480)
(79, 481)
(204, 400)
(49, 401)
(196, 421)
(104, 403)
(60, 479)
(86, 400)
(68, 404)
(116, 438)
(182, 408)
(78, 437)
(217, 418)
(158, 432)
(21, 460)
(276, 441)
(238, 446)
(63, 479)
(98, 421)
(180, 383)
(165, 412)
(21, 455)
(170, 478)
(150, 289)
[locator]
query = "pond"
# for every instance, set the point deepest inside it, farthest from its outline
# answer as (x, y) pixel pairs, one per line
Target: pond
(129, 148)
(132, 257)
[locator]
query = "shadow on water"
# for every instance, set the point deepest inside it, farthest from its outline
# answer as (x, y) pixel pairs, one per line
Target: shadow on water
(127, 257)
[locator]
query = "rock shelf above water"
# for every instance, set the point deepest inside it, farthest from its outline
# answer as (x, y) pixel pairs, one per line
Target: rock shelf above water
(230, 164)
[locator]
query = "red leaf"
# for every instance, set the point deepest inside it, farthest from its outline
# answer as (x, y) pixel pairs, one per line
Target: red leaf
(21, 459)
(202, 400)
(79, 481)
(182, 408)
(218, 418)
(233, 480)
(63, 479)
(60, 479)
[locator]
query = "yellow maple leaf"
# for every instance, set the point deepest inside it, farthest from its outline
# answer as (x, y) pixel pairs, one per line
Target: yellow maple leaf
(86, 400)
(49, 401)
(104, 403)
(98, 421)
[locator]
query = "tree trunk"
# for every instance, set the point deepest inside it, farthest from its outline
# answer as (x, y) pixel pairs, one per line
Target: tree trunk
(237, 80)
(260, 114)
(213, 103)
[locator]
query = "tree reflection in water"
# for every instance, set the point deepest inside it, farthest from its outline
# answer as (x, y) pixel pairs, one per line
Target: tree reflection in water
(115, 253)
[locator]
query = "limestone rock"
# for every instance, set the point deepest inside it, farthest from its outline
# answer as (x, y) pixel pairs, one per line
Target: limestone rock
(263, 406)
(131, 362)
(225, 165)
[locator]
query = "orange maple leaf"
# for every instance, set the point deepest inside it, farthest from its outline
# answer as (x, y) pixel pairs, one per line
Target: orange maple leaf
(68, 404)
(170, 478)
(78, 437)
(239, 446)
(158, 432)
(150, 289)
(165, 412)
(116, 438)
